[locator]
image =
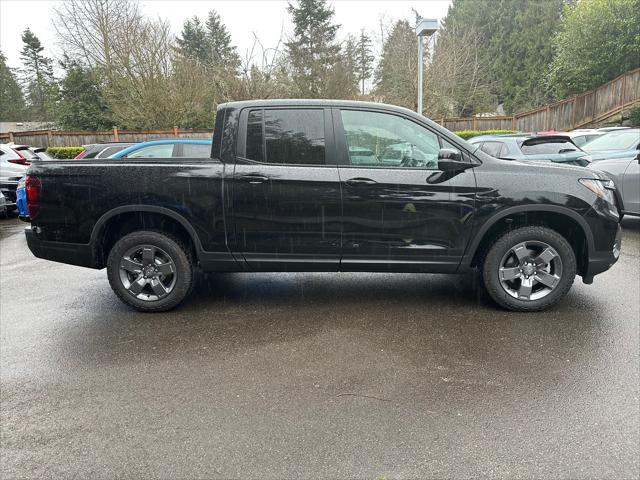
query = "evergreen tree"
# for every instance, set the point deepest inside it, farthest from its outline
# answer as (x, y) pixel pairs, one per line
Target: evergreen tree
(37, 77)
(208, 43)
(81, 104)
(312, 51)
(192, 42)
(597, 41)
(515, 44)
(396, 74)
(12, 106)
(221, 52)
(365, 58)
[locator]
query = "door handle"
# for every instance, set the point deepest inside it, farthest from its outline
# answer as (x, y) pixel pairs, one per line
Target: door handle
(357, 182)
(254, 179)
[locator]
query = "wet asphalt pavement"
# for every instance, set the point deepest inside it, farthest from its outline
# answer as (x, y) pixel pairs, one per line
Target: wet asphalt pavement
(315, 375)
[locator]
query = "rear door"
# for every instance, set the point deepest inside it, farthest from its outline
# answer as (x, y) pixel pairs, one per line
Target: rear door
(286, 190)
(406, 216)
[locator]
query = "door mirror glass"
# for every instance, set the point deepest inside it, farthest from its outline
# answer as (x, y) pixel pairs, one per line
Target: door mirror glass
(450, 160)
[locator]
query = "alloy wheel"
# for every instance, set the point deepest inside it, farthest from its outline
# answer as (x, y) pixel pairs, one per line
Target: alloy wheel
(530, 270)
(147, 272)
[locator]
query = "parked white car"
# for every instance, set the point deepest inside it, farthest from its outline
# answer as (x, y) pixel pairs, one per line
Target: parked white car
(13, 166)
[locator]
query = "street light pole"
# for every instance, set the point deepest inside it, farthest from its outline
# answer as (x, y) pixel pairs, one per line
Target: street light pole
(420, 68)
(424, 28)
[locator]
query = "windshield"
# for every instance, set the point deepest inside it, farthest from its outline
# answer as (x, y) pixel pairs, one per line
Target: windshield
(621, 140)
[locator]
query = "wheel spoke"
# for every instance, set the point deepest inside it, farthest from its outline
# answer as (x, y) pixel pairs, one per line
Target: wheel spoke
(158, 288)
(131, 266)
(509, 273)
(547, 279)
(166, 268)
(524, 292)
(546, 256)
(521, 251)
(137, 286)
(148, 253)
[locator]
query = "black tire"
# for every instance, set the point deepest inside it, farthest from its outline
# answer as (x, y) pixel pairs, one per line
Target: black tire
(504, 250)
(180, 278)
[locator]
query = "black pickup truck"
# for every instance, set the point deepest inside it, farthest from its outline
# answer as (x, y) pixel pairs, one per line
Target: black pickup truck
(317, 185)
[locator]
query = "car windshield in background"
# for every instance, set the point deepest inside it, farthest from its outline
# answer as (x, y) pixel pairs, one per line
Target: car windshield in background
(541, 147)
(616, 140)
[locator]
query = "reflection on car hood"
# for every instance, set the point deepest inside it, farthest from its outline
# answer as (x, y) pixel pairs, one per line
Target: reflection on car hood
(606, 155)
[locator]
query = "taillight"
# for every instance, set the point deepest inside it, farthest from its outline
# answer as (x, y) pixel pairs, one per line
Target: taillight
(80, 155)
(32, 187)
(21, 160)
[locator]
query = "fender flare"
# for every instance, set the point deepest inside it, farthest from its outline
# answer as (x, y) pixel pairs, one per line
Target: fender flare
(99, 225)
(500, 215)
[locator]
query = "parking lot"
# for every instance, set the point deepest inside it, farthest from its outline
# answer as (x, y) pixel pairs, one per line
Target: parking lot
(315, 375)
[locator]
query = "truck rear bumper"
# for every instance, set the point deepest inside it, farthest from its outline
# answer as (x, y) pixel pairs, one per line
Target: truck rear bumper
(72, 253)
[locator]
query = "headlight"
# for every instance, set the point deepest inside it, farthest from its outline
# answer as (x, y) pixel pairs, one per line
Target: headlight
(602, 188)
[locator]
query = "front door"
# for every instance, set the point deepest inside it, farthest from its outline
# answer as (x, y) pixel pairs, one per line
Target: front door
(400, 213)
(286, 191)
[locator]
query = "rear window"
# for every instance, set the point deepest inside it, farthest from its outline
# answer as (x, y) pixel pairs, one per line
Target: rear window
(492, 148)
(26, 153)
(541, 147)
(196, 150)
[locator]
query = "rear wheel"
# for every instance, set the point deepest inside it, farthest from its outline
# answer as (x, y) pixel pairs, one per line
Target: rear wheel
(150, 271)
(529, 269)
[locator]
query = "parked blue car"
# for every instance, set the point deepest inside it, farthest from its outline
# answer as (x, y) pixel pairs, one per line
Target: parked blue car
(623, 143)
(21, 199)
(177, 148)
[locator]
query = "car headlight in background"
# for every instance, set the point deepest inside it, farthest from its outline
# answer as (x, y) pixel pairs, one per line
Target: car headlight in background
(602, 188)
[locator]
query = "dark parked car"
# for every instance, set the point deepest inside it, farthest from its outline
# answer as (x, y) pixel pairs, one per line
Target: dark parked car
(176, 148)
(281, 192)
(102, 150)
(523, 147)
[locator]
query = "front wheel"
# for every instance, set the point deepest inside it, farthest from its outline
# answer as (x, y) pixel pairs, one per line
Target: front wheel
(150, 271)
(529, 269)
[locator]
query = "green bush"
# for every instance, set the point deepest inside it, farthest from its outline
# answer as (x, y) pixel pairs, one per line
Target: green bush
(635, 116)
(467, 134)
(64, 152)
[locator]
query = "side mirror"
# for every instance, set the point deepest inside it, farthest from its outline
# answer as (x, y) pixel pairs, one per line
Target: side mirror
(450, 160)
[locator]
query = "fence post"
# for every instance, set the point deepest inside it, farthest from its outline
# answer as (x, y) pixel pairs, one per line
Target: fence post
(573, 113)
(175, 131)
(115, 134)
(49, 138)
(547, 119)
(513, 122)
(473, 123)
(11, 137)
(624, 77)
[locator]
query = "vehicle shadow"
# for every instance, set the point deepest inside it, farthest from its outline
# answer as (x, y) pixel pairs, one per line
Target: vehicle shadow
(436, 323)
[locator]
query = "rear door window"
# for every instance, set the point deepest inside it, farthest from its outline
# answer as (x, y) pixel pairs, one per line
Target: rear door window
(196, 150)
(286, 136)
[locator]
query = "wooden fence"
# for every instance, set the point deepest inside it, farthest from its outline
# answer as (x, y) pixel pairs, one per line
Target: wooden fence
(59, 138)
(574, 112)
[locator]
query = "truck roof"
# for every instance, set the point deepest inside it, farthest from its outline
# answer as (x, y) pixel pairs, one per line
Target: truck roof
(314, 102)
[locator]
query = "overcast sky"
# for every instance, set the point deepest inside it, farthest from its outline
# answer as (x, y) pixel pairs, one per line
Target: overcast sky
(265, 18)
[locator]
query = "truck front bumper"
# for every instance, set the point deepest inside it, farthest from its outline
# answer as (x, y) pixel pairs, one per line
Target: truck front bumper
(601, 261)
